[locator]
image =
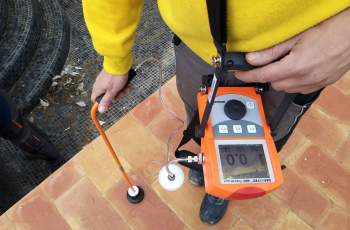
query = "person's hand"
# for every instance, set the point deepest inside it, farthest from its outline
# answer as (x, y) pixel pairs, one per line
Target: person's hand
(114, 87)
(314, 59)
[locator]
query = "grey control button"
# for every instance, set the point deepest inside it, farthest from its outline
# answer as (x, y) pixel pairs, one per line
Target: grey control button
(235, 109)
(250, 105)
(223, 129)
(251, 128)
(237, 129)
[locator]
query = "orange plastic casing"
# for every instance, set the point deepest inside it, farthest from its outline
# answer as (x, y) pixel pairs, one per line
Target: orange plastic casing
(213, 185)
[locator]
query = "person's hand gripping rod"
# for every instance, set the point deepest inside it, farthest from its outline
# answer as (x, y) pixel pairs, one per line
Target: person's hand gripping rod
(135, 194)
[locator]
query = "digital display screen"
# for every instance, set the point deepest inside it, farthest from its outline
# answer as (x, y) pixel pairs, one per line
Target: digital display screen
(243, 161)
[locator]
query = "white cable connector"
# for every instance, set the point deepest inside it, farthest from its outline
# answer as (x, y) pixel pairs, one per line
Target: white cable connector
(192, 159)
(199, 159)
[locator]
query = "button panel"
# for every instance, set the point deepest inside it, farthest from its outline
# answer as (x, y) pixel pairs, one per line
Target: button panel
(224, 126)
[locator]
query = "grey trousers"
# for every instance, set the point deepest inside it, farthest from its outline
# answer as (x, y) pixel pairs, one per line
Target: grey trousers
(189, 71)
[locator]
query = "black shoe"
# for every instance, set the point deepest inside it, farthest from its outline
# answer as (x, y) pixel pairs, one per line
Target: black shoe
(56, 164)
(55, 161)
(196, 177)
(212, 209)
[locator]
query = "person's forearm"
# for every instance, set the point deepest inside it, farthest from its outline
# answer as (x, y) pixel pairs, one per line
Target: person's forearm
(314, 59)
(112, 25)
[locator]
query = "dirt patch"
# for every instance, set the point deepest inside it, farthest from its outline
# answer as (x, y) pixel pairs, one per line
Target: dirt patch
(63, 119)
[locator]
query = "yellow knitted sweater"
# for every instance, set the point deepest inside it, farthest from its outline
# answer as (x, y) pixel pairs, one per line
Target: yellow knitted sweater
(252, 25)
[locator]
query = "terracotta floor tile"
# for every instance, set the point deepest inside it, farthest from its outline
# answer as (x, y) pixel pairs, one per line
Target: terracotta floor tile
(98, 164)
(343, 83)
(292, 222)
(172, 99)
(157, 127)
(89, 193)
(338, 219)
(5, 223)
(308, 203)
(262, 213)
(186, 202)
(241, 225)
(83, 207)
(35, 211)
(62, 180)
(315, 125)
(137, 145)
(336, 104)
(325, 173)
(295, 142)
(150, 213)
(148, 109)
(342, 155)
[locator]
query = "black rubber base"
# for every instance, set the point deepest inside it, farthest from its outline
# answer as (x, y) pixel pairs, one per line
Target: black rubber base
(138, 198)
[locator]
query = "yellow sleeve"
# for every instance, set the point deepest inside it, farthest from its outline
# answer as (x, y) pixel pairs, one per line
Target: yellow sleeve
(112, 25)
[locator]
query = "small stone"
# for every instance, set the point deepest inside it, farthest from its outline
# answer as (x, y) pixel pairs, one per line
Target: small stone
(73, 73)
(56, 77)
(44, 103)
(81, 104)
(81, 86)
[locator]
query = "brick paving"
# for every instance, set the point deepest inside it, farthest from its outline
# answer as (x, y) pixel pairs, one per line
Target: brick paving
(89, 192)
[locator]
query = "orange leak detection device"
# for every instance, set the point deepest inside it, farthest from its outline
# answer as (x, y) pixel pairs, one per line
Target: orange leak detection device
(238, 154)
(240, 157)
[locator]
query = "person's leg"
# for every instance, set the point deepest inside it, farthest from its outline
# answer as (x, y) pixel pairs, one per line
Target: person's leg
(39, 131)
(29, 138)
(272, 99)
(189, 71)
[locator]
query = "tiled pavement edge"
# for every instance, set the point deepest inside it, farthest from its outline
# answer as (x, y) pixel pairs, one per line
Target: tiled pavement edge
(90, 193)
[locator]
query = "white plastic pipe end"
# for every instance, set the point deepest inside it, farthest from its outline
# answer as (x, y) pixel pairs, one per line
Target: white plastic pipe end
(171, 185)
(135, 192)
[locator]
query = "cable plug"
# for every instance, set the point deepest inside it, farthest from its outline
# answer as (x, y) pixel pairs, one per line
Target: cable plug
(199, 159)
(191, 159)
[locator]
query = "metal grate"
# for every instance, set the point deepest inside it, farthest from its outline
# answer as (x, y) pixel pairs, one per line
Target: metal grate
(70, 126)
(23, 30)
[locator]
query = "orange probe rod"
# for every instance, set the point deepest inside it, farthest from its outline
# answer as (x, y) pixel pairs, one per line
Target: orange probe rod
(100, 129)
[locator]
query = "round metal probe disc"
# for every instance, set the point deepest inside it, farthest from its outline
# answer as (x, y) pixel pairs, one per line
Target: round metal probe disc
(135, 196)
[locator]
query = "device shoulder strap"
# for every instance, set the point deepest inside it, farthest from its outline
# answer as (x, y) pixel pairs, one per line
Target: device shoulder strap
(189, 134)
(217, 13)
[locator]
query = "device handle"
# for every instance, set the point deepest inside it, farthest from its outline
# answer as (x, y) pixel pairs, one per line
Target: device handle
(235, 61)
(132, 74)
